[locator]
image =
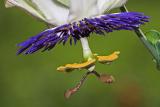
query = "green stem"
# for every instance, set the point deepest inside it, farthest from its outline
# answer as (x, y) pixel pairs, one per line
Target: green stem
(141, 35)
(87, 53)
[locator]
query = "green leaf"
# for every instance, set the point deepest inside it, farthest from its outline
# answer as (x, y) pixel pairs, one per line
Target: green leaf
(153, 38)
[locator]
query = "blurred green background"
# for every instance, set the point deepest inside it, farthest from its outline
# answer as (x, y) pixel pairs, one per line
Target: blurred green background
(32, 81)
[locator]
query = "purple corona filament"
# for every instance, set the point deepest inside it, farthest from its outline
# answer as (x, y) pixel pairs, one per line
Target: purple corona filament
(47, 39)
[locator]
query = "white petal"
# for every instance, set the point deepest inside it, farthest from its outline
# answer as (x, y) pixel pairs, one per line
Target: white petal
(106, 5)
(65, 2)
(82, 8)
(50, 11)
(8, 4)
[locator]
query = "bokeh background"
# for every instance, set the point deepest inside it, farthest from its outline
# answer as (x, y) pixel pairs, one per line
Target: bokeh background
(32, 81)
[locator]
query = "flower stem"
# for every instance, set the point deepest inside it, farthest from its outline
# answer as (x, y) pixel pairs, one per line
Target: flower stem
(141, 35)
(87, 53)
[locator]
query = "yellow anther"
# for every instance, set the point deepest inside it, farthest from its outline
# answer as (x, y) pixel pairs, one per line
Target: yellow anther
(109, 58)
(89, 63)
(70, 67)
